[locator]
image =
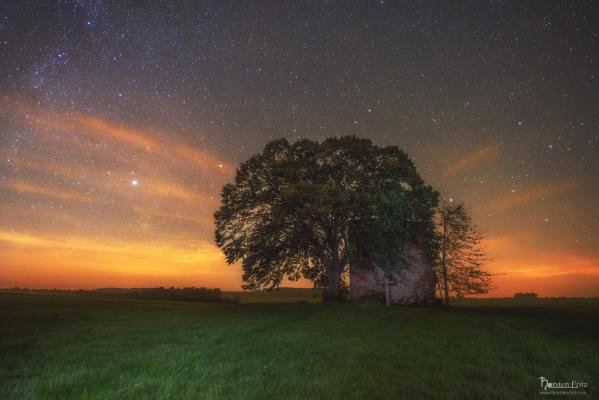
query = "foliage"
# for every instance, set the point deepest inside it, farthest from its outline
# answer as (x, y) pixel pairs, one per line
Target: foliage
(460, 255)
(309, 209)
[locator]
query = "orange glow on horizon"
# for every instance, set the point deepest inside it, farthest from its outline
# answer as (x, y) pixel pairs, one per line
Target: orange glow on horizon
(87, 264)
(522, 266)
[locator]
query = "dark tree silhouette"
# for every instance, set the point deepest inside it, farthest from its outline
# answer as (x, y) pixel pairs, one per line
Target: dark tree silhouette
(460, 256)
(526, 296)
(309, 209)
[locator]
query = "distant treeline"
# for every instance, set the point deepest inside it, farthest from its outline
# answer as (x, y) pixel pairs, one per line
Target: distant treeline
(527, 295)
(159, 293)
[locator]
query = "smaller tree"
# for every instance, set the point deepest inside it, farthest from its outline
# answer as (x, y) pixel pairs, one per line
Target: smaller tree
(460, 255)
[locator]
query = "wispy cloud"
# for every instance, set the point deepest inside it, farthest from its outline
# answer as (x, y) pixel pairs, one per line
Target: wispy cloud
(149, 140)
(533, 194)
(109, 129)
(34, 189)
(471, 160)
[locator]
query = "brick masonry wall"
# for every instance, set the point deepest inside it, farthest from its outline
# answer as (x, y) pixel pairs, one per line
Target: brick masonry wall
(415, 284)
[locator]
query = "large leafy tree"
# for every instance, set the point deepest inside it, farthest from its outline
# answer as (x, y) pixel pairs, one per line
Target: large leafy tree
(460, 254)
(309, 209)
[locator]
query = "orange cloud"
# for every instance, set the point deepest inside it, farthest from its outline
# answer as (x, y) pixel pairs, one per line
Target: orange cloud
(25, 187)
(98, 179)
(499, 243)
(157, 187)
(129, 136)
(471, 160)
(26, 114)
(533, 194)
(164, 147)
(193, 217)
(85, 124)
(24, 239)
(204, 158)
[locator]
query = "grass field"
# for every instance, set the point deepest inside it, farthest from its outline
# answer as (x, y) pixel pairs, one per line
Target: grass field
(282, 295)
(83, 348)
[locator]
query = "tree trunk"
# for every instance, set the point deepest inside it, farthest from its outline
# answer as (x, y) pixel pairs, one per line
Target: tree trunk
(332, 290)
(387, 294)
(440, 291)
(334, 269)
(445, 284)
(444, 263)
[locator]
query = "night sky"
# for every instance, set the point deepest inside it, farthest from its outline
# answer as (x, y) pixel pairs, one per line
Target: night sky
(121, 120)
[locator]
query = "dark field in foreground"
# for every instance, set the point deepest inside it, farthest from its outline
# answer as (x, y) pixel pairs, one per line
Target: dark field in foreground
(78, 348)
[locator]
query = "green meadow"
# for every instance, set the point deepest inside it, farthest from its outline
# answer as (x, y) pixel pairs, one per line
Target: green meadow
(68, 347)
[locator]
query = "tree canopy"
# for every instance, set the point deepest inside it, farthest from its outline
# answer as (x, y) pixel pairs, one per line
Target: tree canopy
(309, 209)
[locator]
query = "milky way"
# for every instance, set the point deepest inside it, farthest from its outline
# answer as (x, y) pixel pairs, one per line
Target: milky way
(120, 122)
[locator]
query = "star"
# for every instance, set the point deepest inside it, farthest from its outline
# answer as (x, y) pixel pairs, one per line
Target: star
(134, 182)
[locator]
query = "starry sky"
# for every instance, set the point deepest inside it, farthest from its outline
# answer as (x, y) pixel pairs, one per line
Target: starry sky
(121, 120)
